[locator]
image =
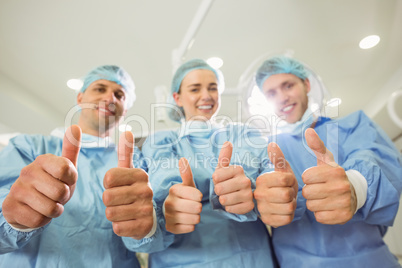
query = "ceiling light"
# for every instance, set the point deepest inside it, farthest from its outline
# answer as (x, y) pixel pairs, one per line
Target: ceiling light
(369, 41)
(75, 84)
(215, 62)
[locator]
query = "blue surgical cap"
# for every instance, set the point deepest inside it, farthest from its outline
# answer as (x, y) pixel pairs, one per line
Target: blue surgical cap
(182, 71)
(280, 65)
(114, 74)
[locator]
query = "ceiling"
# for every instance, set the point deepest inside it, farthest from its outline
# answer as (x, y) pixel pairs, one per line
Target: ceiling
(44, 43)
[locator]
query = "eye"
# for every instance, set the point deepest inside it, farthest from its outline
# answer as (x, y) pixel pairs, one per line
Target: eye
(120, 95)
(99, 89)
(289, 85)
(194, 89)
(270, 94)
(213, 88)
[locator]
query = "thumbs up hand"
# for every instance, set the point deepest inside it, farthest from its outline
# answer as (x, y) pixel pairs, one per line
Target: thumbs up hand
(183, 204)
(44, 186)
(327, 189)
(231, 184)
(276, 192)
(127, 195)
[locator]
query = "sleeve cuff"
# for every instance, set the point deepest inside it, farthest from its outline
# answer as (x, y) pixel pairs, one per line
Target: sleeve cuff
(360, 185)
(23, 230)
(153, 230)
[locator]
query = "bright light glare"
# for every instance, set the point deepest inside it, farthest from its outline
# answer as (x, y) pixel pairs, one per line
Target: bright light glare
(334, 102)
(215, 62)
(369, 41)
(258, 105)
(314, 107)
(125, 127)
(75, 84)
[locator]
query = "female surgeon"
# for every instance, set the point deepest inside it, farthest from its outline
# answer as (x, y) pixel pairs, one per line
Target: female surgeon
(203, 184)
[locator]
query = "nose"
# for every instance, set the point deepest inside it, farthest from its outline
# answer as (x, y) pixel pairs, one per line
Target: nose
(282, 97)
(205, 94)
(109, 97)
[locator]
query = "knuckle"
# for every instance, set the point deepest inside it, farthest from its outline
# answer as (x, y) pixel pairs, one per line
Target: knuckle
(305, 192)
(246, 182)
(26, 171)
(259, 181)
(289, 208)
(141, 174)
(218, 189)
(117, 229)
(198, 208)
(146, 210)
(286, 195)
(309, 205)
(320, 217)
(215, 177)
(222, 200)
(55, 210)
(146, 194)
(238, 169)
(197, 219)
(109, 213)
(62, 193)
(109, 178)
(42, 157)
(283, 180)
(250, 206)
(64, 168)
(107, 198)
(260, 195)
(267, 219)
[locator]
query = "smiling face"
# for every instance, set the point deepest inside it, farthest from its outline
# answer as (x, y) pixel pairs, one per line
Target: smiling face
(103, 105)
(288, 93)
(198, 95)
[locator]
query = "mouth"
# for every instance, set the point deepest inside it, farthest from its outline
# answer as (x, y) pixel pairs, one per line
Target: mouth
(105, 111)
(205, 107)
(288, 108)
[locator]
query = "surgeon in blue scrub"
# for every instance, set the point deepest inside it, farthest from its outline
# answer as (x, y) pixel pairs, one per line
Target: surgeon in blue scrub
(58, 208)
(349, 176)
(203, 175)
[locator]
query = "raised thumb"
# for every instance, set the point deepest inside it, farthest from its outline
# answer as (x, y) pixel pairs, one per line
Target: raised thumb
(186, 173)
(277, 158)
(324, 156)
(72, 144)
(125, 150)
(225, 155)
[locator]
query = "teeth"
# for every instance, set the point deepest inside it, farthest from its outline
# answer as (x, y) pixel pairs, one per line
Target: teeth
(287, 108)
(205, 107)
(104, 110)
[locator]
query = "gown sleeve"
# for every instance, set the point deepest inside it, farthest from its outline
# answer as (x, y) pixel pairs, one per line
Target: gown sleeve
(367, 149)
(16, 155)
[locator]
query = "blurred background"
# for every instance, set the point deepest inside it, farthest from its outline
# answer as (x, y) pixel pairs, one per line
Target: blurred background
(45, 43)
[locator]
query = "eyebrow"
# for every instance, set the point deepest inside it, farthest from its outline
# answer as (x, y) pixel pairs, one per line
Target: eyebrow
(100, 84)
(199, 84)
(281, 85)
(114, 89)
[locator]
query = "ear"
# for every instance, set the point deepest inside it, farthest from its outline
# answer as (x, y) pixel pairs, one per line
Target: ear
(79, 98)
(177, 99)
(307, 84)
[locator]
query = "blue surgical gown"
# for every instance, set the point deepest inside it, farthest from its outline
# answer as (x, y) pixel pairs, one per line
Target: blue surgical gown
(81, 236)
(221, 239)
(357, 143)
